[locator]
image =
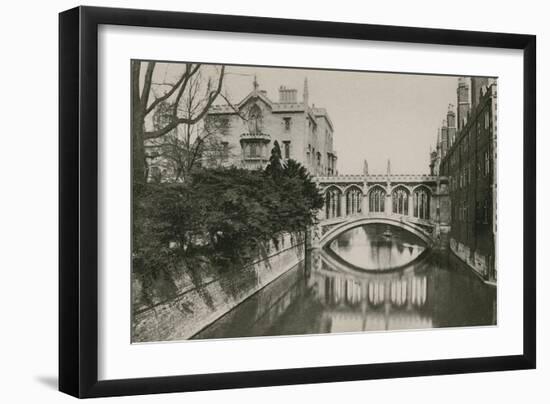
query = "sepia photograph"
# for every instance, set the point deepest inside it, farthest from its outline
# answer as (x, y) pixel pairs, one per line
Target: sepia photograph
(283, 201)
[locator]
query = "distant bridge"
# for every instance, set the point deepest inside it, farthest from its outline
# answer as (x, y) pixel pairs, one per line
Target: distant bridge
(412, 202)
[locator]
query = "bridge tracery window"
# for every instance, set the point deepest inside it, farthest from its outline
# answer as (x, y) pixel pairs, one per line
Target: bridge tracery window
(332, 203)
(400, 201)
(354, 200)
(377, 198)
(421, 202)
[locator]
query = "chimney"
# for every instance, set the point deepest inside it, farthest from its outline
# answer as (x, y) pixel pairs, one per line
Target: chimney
(287, 95)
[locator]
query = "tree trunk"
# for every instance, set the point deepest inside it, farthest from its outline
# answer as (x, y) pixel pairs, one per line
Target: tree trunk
(138, 150)
(138, 115)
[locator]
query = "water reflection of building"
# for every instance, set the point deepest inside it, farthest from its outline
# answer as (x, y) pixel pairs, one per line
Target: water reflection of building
(370, 302)
(321, 296)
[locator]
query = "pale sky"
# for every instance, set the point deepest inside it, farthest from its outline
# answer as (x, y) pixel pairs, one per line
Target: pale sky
(376, 116)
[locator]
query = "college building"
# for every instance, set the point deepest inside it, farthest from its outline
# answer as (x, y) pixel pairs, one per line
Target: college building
(303, 131)
(466, 154)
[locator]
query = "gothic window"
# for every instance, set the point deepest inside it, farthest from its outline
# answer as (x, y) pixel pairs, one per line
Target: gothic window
(400, 201)
(487, 163)
(354, 200)
(332, 202)
(377, 197)
(421, 201)
(487, 120)
(253, 150)
(255, 119)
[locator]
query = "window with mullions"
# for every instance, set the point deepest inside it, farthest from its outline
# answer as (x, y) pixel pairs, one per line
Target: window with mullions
(421, 201)
(377, 197)
(400, 201)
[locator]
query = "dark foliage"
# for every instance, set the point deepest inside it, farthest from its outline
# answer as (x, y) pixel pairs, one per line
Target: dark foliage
(221, 215)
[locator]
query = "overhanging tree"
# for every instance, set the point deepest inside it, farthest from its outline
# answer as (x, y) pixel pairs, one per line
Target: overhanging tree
(189, 98)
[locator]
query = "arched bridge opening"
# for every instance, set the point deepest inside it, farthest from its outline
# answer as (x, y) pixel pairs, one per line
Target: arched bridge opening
(333, 230)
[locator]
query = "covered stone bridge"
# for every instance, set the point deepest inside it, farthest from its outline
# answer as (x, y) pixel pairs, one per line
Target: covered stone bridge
(418, 203)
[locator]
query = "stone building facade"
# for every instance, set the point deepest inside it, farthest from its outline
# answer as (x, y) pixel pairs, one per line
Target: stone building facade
(466, 154)
(304, 132)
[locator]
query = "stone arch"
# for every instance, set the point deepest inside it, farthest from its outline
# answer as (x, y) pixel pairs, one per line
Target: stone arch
(406, 187)
(377, 198)
(417, 230)
(350, 186)
(338, 187)
(427, 187)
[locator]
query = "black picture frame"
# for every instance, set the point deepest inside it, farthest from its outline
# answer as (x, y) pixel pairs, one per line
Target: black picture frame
(78, 201)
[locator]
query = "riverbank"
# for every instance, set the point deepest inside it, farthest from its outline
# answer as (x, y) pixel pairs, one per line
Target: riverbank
(198, 305)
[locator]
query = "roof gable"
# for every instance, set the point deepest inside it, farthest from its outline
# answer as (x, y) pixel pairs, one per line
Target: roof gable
(253, 97)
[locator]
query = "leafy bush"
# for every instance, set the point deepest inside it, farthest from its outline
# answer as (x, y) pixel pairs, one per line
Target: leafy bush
(223, 214)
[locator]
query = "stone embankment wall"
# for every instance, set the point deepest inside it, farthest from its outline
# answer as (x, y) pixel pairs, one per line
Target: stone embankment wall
(197, 307)
(478, 262)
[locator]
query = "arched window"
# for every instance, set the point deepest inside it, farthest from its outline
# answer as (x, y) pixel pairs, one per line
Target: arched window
(332, 203)
(255, 119)
(377, 197)
(354, 200)
(421, 200)
(400, 201)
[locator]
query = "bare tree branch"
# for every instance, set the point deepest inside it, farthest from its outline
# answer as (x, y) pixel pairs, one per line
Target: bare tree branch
(191, 120)
(165, 96)
(147, 83)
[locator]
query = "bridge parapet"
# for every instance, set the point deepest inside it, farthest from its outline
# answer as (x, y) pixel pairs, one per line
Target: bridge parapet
(373, 178)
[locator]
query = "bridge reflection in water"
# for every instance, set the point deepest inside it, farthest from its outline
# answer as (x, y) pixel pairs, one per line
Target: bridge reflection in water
(342, 289)
(377, 247)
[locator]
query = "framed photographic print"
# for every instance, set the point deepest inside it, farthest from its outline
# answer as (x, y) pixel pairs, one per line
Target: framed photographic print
(250, 201)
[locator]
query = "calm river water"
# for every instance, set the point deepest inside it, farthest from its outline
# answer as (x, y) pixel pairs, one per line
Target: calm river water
(370, 278)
